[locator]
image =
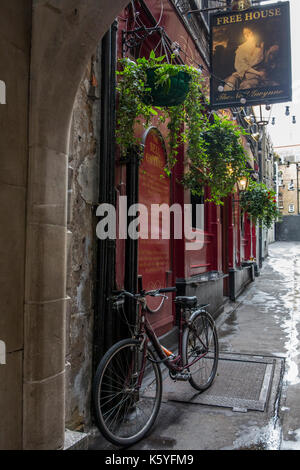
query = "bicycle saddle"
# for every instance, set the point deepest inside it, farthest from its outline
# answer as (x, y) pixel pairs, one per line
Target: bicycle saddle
(186, 301)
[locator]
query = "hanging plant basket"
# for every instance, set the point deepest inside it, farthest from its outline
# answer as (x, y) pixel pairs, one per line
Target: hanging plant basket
(172, 93)
(215, 155)
(260, 204)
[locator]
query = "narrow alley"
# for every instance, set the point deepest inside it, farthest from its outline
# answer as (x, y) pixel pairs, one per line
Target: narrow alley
(264, 323)
(150, 226)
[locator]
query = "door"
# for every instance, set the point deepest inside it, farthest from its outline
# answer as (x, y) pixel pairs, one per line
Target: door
(154, 253)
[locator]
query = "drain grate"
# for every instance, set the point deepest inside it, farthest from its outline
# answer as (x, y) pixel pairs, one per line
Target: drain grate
(242, 383)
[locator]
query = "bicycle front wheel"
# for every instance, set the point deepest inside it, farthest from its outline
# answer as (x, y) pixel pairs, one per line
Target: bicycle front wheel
(200, 350)
(127, 393)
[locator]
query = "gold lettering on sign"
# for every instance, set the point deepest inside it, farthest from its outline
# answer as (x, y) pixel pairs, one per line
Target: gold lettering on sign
(153, 160)
(249, 16)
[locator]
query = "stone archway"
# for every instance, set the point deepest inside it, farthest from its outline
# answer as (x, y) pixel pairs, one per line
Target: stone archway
(64, 36)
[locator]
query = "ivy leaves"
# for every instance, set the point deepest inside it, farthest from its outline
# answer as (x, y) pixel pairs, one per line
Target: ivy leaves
(131, 109)
(260, 203)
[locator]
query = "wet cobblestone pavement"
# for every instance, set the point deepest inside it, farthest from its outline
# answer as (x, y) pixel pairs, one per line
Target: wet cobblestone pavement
(265, 321)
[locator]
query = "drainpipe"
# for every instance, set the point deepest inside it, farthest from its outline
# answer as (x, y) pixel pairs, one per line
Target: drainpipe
(260, 231)
(104, 320)
(131, 254)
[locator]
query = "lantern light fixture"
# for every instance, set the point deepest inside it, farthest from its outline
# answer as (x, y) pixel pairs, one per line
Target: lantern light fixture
(243, 183)
(249, 119)
(255, 136)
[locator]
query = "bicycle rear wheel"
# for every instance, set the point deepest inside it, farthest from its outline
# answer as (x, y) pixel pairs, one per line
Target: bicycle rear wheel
(127, 393)
(200, 340)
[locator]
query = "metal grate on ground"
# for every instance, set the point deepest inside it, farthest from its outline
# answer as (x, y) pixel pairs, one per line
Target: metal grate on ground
(242, 383)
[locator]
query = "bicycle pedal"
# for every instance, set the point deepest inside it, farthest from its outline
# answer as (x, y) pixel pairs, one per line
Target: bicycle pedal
(181, 376)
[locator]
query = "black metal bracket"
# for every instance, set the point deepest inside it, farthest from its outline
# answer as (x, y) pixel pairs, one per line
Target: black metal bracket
(135, 37)
(227, 6)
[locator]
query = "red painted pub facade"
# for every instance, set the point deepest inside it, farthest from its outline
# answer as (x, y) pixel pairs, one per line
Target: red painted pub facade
(218, 268)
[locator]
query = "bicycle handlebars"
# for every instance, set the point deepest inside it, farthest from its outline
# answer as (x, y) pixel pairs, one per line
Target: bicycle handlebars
(152, 293)
(167, 289)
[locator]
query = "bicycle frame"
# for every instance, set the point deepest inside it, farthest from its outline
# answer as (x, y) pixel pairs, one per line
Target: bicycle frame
(175, 364)
(144, 333)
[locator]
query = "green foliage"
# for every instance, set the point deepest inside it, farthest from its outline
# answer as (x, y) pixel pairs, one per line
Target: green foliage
(217, 157)
(215, 154)
(260, 203)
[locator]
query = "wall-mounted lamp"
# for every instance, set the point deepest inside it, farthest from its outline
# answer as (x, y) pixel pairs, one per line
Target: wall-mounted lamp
(249, 119)
(287, 110)
(262, 120)
(255, 136)
(243, 183)
(294, 120)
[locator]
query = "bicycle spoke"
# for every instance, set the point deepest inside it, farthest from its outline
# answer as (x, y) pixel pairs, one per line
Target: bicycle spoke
(123, 413)
(201, 351)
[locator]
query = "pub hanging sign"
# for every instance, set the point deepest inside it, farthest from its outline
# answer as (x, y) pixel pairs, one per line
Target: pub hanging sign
(251, 56)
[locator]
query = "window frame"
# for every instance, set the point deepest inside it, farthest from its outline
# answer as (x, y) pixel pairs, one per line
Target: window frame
(291, 205)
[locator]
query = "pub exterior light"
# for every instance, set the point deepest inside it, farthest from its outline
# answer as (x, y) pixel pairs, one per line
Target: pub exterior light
(243, 183)
(249, 119)
(255, 136)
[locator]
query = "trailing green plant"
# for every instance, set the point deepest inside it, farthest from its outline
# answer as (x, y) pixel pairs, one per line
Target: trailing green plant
(216, 157)
(136, 106)
(260, 203)
(214, 151)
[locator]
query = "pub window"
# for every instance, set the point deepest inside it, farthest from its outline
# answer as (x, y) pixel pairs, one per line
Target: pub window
(197, 203)
(291, 185)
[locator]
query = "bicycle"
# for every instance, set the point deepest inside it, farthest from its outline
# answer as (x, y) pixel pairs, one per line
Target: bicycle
(127, 389)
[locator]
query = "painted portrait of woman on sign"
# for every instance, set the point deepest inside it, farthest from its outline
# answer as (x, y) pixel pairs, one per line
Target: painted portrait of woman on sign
(250, 56)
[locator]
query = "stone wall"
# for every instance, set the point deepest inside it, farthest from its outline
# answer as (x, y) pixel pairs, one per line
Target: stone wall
(15, 30)
(82, 243)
